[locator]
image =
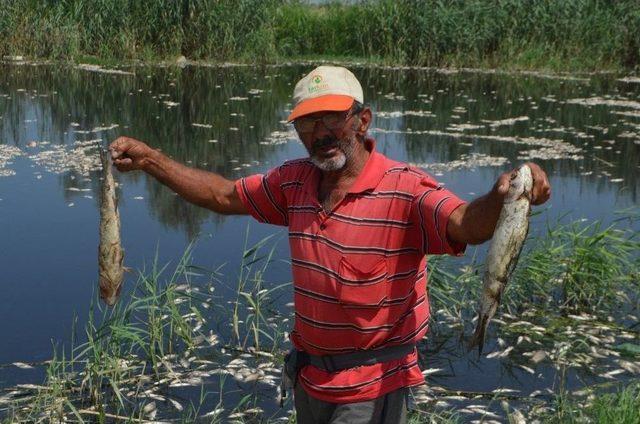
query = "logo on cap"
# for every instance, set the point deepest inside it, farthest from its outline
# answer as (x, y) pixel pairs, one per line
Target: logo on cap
(317, 84)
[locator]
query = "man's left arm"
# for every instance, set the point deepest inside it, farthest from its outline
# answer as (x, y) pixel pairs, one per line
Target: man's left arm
(475, 222)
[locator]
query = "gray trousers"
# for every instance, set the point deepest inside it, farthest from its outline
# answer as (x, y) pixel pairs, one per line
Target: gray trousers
(388, 409)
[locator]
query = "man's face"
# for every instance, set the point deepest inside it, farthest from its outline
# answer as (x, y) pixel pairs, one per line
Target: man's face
(329, 137)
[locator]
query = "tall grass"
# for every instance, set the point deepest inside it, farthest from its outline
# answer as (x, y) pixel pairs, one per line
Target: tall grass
(620, 407)
(571, 34)
(252, 297)
(578, 268)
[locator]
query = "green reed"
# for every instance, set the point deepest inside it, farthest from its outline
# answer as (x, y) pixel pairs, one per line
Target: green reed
(620, 407)
(572, 34)
(249, 300)
(578, 268)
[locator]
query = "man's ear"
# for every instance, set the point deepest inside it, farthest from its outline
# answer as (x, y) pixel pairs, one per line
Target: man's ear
(365, 120)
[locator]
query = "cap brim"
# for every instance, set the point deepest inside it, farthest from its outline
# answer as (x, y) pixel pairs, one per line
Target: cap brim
(328, 103)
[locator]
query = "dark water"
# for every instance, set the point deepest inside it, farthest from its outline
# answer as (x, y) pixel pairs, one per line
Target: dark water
(48, 220)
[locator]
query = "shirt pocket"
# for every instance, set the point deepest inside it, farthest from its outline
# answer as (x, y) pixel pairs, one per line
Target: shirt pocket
(362, 284)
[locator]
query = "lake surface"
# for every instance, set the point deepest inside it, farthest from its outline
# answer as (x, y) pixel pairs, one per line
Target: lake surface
(464, 127)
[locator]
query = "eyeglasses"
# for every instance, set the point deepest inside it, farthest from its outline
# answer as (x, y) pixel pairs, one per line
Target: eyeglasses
(331, 121)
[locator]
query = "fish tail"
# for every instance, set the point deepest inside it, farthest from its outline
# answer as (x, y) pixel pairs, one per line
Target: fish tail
(102, 153)
(479, 335)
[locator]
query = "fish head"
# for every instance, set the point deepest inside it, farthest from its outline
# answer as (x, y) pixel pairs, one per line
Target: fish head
(520, 184)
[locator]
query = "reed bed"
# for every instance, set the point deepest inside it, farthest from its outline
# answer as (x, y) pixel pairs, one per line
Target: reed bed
(567, 35)
(572, 307)
(620, 406)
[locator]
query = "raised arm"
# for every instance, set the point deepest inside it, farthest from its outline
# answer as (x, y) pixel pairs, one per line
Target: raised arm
(203, 188)
(475, 222)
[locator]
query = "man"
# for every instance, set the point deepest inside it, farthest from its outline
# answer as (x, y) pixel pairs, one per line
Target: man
(360, 225)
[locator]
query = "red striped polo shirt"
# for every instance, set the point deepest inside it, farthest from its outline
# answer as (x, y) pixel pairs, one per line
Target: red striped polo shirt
(359, 272)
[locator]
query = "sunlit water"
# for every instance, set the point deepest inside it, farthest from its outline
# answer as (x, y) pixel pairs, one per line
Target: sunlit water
(465, 128)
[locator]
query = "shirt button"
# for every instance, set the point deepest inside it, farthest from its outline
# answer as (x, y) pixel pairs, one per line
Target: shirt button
(323, 226)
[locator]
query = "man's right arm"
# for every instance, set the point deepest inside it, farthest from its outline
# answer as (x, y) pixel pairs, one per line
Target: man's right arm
(203, 188)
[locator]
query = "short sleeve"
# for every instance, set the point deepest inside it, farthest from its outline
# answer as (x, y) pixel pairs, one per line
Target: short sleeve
(262, 196)
(432, 207)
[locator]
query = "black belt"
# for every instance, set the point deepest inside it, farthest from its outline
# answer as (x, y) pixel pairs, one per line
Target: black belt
(297, 359)
(343, 361)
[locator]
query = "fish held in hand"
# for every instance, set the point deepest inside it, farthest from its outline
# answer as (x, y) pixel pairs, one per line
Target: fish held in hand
(110, 252)
(506, 245)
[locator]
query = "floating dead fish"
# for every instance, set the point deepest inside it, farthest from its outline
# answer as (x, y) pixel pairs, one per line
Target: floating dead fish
(500, 353)
(538, 356)
(22, 365)
(177, 405)
(526, 368)
(506, 244)
(110, 252)
(97, 68)
(214, 413)
(613, 373)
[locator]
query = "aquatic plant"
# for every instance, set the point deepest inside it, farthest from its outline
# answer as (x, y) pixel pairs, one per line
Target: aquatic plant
(620, 406)
(578, 268)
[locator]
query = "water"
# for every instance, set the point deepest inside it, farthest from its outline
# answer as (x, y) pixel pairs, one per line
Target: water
(231, 120)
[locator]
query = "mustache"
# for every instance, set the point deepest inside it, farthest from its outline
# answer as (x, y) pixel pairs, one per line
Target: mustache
(327, 141)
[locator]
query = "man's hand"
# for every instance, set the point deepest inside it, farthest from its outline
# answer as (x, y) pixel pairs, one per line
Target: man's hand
(475, 222)
(540, 192)
(129, 154)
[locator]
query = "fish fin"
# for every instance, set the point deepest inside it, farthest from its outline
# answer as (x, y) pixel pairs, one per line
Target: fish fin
(127, 269)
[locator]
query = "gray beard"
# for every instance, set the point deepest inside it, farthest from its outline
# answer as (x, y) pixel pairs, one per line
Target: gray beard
(331, 164)
(345, 153)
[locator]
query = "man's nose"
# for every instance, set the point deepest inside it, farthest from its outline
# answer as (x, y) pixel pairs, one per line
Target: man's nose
(320, 130)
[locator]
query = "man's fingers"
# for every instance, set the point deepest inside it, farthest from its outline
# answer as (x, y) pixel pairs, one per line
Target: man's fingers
(541, 195)
(503, 184)
(115, 154)
(541, 187)
(123, 165)
(119, 146)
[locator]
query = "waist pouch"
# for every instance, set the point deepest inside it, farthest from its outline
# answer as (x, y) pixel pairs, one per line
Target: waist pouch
(295, 360)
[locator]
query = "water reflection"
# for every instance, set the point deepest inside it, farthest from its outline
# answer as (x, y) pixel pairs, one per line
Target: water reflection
(219, 119)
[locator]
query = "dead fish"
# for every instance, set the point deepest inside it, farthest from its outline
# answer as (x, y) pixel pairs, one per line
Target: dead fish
(506, 244)
(110, 252)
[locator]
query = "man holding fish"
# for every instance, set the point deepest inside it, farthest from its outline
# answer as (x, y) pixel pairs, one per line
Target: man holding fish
(360, 225)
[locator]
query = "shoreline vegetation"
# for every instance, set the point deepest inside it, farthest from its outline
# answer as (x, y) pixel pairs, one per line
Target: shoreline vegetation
(572, 35)
(162, 353)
